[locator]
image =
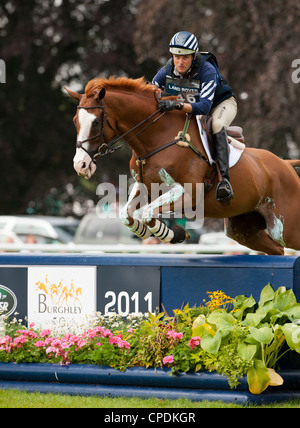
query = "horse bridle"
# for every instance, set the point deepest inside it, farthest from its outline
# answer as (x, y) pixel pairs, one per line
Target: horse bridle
(107, 147)
(104, 148)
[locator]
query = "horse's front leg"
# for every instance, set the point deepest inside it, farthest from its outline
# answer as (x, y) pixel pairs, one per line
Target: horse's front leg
(135, 200)
(163, 203)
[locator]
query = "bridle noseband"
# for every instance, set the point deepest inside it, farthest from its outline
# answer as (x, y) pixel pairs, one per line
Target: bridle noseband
(104, 148)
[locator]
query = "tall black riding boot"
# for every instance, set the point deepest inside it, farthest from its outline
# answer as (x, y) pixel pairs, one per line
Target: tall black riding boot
(224, 190)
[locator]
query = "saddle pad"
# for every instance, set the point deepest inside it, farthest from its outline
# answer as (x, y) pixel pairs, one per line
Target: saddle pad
(235, 147)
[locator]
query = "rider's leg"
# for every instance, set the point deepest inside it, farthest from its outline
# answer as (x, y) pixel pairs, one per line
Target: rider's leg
(224, 189)
(222, 116)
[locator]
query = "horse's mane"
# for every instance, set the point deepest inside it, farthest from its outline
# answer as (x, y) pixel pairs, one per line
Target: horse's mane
(135, 85)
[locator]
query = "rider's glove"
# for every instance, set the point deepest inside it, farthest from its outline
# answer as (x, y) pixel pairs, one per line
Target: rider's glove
(168, 105)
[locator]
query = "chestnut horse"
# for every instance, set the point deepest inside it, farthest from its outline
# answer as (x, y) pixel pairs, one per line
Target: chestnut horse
(265, 212)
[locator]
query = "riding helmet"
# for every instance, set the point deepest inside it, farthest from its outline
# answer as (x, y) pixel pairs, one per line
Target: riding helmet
(183, 43)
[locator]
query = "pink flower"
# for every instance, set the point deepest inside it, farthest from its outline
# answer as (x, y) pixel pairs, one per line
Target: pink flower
(48, 340)
(99, 329)
(194, 342)
(124, 344)
(168, 359)
(50, 349)
(44, 333)
(115, 340)
(65, 345)
(81, 343)
(5, 348)
(130, 330)
(28, 333)
(92, 334)
(174, 335)
(55, 342)
(99, 344)
(107, 333)
(31, 325)
(19, 340)
(5, 340)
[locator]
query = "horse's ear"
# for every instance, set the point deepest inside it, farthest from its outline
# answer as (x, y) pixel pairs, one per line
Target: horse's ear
(99, 95)
(73, 94)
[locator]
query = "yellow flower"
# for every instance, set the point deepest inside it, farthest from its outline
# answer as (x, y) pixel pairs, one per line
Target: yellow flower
(218, 299)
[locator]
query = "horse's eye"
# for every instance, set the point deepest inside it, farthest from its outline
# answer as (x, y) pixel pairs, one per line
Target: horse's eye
(96, 122)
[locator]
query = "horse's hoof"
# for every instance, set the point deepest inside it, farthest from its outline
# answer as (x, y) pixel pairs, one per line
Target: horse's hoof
(180, 234)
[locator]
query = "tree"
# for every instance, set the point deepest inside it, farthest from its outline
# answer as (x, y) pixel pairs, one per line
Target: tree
(255, 42)
(46, 45)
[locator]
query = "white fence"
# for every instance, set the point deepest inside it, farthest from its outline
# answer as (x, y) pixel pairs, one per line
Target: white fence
(120, 248)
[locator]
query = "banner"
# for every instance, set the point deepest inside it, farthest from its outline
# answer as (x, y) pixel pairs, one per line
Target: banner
(60, 295)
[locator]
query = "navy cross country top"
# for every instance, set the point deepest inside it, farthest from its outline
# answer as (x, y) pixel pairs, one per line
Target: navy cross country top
(204, 88)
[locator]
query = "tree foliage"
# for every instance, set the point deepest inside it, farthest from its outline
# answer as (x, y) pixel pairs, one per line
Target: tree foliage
(255, 43)
(48, 44)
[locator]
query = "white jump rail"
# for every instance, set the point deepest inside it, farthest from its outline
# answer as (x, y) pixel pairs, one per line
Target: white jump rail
(138, 248)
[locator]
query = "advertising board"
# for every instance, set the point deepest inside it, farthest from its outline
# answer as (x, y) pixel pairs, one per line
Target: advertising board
(57, 296)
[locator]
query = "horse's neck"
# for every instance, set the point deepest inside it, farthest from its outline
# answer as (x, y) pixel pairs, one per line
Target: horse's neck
(130, 110)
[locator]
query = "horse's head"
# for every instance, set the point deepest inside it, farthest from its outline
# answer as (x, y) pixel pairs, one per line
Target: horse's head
(89, 121)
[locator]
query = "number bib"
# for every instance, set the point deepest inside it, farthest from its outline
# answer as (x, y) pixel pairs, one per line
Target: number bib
(186, 89)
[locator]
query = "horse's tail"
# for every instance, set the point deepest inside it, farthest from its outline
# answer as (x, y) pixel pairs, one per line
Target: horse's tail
(293, 162)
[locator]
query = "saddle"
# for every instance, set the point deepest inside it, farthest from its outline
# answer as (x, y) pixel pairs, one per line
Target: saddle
(236, 146)
(235, 132)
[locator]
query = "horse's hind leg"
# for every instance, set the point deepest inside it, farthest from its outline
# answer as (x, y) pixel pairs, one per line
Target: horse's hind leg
(249, 229)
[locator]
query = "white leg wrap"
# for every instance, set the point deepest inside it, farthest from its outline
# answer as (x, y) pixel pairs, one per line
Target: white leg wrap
(161, 231)
(140, 229)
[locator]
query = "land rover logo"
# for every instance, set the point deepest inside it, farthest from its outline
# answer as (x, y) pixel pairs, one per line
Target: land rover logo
(8, 301)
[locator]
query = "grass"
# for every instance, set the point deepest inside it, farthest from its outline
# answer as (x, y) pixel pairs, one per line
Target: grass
(19, 399)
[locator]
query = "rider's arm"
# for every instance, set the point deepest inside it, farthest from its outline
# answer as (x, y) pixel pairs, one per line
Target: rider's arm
(160, 78)
(208, 80)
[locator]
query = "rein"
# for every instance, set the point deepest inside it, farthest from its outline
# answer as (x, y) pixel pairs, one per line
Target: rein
(141, 160)
(109, 146)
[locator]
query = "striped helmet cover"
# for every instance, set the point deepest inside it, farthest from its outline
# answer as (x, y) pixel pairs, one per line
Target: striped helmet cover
(185, 40)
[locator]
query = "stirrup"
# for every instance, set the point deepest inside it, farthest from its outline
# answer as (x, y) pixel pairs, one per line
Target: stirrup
(227, 191)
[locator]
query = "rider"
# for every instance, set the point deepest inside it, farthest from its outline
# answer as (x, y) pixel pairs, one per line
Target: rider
(195, 78)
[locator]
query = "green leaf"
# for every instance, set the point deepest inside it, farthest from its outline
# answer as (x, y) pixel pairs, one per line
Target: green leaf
(291, 332)
(219, 317)
(210, 343)
(258, 377)
(266, 295)
(284, 300)
(293, 312)
(254, 319)
(198, 331)
(241, 305)
(224, 322)
(246, 351)
(262, 335)
(201, 319)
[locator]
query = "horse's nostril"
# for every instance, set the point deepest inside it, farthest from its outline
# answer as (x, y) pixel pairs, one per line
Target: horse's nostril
(83, 164)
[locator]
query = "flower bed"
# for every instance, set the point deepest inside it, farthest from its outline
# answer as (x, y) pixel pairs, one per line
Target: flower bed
(232, 337)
